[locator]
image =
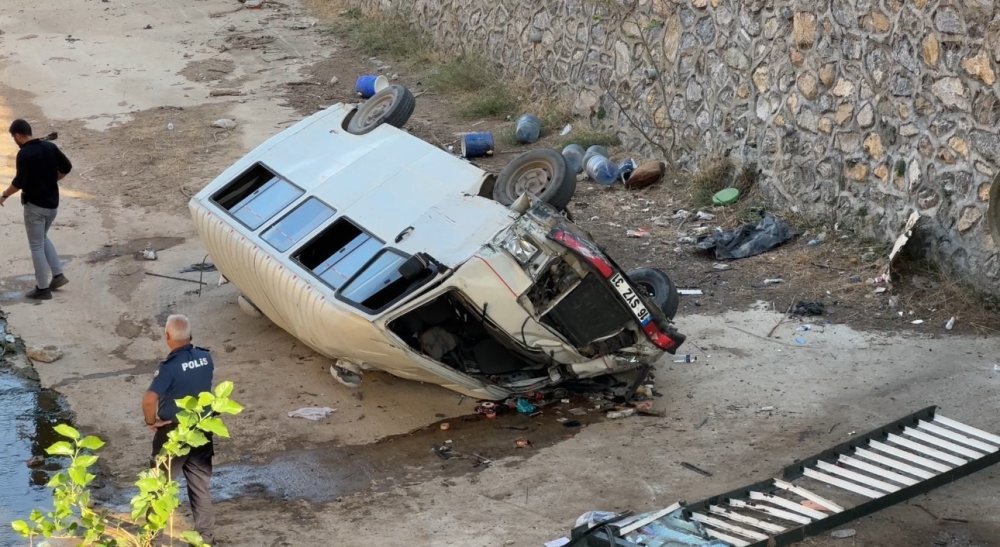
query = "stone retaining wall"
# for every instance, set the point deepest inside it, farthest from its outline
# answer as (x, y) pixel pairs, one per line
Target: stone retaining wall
(856, 111)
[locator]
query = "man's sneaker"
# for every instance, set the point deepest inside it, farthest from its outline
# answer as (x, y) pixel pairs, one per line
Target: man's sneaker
(58, 281)
(40, 294)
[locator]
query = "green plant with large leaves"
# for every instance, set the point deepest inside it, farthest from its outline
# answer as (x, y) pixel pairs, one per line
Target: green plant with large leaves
(73, 514)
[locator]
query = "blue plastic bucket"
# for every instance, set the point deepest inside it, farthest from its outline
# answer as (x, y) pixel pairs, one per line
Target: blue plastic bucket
(528, 129)
(477, 144)
(370, 84)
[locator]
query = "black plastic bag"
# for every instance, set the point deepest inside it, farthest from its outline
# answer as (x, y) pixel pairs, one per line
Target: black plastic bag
(749, 239)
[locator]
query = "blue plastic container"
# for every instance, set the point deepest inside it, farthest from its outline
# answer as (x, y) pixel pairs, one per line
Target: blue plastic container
(595, 150)
(602, 170)
(528, 129)
(625, 170)
(574, 157)
(370, 84)
(475, 145)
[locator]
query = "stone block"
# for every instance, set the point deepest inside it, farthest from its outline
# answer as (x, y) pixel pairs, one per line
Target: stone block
(825, 125)
(795, 57)
(803, 29)
(806, 83)
(970, 216)
(877, 22)
(931, 50)
(844, 113)
(873, 146)
(984, 191)
(958, 144)
(980, 67)
(761, 79)
(866, 116)
(951, 92)
(882, 172)
(856, 171)
(948, 20)
(827, 74)
(843, 88)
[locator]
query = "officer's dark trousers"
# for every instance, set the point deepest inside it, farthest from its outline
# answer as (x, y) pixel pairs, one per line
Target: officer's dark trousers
(197, 470)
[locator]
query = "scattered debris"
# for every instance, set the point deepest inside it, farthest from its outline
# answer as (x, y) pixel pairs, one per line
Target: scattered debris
(766, 409)
(444, 451)
(572, 423)
(880, 290)
(334, 80)
(726, 196)
(524, 406)
(566, 130)
(688, 240)
(696, 469)
(720, 267)
(344, 375)
(646, 174)
(618, 414)
(800, 341)
(44, 354)
(199, 267)
(488, 409)
(645, 408)
(581, 412)
(690, 292)
(900, 242)
(149, 254)
(445, 426)
(774, 281)
(686, 358)
(680, 214)
(843, 534)
(639, 233)
(147, 27)
(803, 308)
(522, 443)
(701, 215)
(225, 93)
(949, 324)
(224, 123)
(749, 239)
(917, 322)
(314, 413)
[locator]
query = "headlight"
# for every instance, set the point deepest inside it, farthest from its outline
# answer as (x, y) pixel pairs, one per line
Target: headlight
(521, 249)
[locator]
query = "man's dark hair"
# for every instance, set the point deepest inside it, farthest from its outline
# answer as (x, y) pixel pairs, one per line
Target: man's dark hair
(20, 127)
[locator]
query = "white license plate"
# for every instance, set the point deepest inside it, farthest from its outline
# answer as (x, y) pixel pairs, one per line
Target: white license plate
(631, 298)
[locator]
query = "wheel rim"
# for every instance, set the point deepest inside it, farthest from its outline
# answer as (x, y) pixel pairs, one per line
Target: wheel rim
(533, 177)
(646, 289)
(378, 109)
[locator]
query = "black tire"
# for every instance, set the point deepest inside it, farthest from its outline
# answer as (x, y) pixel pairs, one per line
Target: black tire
(656, 284)
(542, 172)
(393, 105)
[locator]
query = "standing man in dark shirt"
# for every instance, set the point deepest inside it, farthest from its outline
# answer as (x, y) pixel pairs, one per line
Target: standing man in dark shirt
(40, 167)
(186, 371)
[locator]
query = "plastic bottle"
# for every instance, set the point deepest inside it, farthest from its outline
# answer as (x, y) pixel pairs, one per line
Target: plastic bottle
(574, 157)
(595, 150)
(625, 170)
(686, 358)
(602, 170)
(528, 129)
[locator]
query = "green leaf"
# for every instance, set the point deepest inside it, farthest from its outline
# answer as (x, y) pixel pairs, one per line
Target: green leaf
(90, 442)
(24, 528)
(196, 438)
(36, 516)
(224, 389)
(193, 538)
(149, 484)
(188, 403)
(67, 431)
(185, 419)
(78, 475)
(85, 460)
(214, 425)
(227, 406)
(61, 448)
(57, 480)
(205, 399)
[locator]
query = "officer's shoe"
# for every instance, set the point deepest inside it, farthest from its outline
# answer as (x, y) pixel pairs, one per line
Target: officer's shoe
(40, 294)
(58, 281)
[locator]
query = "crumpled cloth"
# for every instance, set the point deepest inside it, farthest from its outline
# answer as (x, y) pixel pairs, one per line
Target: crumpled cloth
(749, 239)
(313, 413)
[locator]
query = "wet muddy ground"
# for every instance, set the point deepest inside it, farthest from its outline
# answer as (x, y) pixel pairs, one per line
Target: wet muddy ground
(27, 415)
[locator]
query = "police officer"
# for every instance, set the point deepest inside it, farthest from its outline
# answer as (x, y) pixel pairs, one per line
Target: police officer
(186, 371)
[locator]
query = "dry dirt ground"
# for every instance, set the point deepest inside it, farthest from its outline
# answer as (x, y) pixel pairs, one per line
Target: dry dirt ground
(113, 88)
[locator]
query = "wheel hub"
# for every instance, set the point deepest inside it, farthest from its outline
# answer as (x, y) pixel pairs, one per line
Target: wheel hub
(532, 179)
